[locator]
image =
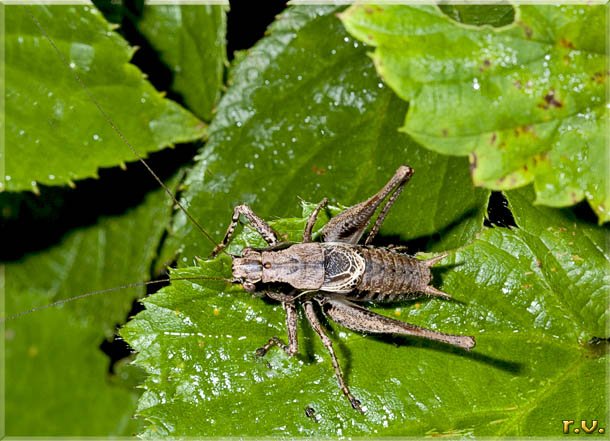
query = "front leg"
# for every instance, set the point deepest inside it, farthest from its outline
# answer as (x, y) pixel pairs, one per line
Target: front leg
(291, 325)
(258, 224)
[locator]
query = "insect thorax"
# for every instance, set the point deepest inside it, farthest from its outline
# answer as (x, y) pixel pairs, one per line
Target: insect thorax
(301, 265)
(344, 267)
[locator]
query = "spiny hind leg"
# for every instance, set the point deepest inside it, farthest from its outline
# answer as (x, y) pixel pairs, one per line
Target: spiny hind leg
(404, 178)
(291, 325)
(398, 248)
(349, 225)
(312, 220)
(257, 223)
(360, 319)
(310, 313)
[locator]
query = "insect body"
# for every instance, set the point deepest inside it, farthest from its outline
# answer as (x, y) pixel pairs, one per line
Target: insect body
(331, 274)
(336, 272)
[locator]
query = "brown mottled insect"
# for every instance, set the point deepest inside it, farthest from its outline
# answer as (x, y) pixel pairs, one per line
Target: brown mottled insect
(333, 273)
(336, 272)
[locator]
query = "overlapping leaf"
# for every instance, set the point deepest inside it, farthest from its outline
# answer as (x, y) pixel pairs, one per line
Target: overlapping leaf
(54, 132)
(58, 382)
(191, 41)
(534, 297)
(526, 102)
(305, 115)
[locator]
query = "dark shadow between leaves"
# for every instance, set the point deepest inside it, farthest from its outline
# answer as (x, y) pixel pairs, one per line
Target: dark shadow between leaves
(36, 222)
(424, 243)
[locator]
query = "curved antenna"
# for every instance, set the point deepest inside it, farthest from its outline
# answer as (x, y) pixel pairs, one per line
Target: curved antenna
(103, 291)
(116, 129)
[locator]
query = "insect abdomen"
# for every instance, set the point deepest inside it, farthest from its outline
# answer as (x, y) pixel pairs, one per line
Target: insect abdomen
(390, 276)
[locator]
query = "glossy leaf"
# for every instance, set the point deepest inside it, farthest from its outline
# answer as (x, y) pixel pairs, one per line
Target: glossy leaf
(54, 132)
(191, 41)
(526, 102)
(305, 115)
(58, 383)
(478, 14)
(533, 296)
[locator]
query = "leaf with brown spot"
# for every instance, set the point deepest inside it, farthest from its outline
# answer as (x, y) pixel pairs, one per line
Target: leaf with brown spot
(546, 70)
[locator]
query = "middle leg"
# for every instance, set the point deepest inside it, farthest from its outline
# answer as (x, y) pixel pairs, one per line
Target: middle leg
(312, 220)
(310, 313)
(291, 324)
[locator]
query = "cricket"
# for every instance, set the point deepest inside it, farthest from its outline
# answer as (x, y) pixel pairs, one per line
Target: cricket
(444, 274)
(336, 272)
(338, 275)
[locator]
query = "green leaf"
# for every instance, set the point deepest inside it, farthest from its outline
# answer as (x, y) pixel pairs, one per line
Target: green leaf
(495, 15)
(191, 41)
(305, 115)
(533, 296)
(526, 102)
(54, 132)
(58, 382)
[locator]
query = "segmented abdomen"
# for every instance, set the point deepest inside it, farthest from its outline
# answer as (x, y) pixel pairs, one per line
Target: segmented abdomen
(389, 276)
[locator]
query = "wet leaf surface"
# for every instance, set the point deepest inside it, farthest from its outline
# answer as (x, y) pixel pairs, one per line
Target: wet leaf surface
(54, 133)
(191, 42)
(64, 242)
(533, 296)
(306, 115)
(532, 95)
(344, 122)
(55, 369)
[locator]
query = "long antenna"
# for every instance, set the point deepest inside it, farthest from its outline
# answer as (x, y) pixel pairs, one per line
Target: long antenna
(103, 291)
(115, 128)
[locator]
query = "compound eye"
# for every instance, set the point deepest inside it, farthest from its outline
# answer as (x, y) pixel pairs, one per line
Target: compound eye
(249, 286)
